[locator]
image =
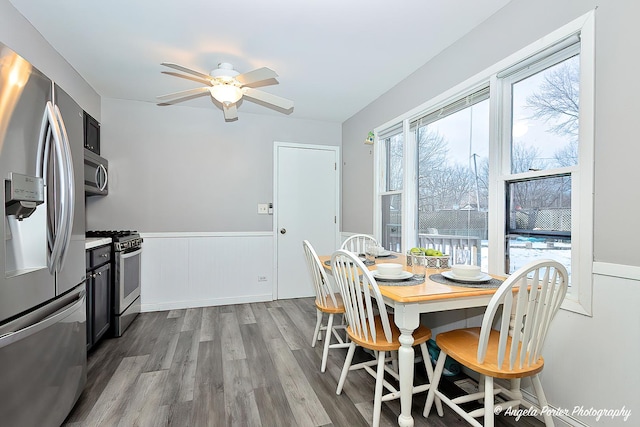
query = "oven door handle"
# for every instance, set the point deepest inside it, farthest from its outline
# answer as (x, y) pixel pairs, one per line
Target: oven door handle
(131, 254)
(101, 182)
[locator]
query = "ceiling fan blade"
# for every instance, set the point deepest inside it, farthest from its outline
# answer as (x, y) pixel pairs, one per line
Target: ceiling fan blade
(186, 70)
(285, 104)
(257, 75)
(188, 77)
(230, 112)
(184, 93)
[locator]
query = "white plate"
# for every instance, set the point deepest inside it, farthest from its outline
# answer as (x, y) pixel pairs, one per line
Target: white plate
(383, 253)
(403, 276)
(480, 278)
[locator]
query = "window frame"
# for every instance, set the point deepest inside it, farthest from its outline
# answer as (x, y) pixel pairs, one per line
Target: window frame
(556, 55)
(381, 181)
(579, 297)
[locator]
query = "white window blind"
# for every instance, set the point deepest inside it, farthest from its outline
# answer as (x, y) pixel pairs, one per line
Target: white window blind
(454, 107)
(573, 40)
(390, 131)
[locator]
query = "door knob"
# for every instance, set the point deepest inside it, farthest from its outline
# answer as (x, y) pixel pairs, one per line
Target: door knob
(283, 231)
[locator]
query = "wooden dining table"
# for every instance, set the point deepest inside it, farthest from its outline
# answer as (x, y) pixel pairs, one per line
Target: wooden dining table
(408, 303)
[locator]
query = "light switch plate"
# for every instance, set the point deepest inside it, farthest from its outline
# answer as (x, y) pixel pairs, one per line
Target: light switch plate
(263, 208)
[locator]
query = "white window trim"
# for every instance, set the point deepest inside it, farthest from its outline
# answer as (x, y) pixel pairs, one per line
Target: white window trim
(579, 298)
(379, 187)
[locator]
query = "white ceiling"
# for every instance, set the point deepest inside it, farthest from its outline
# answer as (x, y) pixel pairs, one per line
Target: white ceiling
(333, 57)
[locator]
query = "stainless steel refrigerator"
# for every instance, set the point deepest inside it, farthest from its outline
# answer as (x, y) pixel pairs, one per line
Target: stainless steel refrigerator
(43, 364)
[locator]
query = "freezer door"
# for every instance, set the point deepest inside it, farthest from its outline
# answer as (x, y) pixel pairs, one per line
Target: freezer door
(25, 280)
(73, 270)
(45, 363)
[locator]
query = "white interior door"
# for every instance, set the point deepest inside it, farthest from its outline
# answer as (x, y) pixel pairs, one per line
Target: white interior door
(306, 207)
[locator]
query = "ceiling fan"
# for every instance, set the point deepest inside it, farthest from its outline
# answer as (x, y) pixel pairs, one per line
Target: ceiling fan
(227, 86)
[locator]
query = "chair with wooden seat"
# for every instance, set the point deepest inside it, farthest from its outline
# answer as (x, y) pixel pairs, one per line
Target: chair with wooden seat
(371, 327)
(358, 243)
(327, 301)
(521, 312)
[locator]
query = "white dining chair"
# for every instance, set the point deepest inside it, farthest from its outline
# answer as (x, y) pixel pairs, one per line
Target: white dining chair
(358, 243)
(327, 302)
(521, 311)
(377, 332)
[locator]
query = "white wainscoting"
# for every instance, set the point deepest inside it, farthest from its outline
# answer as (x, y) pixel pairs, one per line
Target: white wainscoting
(183, 270)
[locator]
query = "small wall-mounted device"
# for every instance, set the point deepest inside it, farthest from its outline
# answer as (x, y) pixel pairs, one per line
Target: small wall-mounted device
(270, 208)
(262, 208)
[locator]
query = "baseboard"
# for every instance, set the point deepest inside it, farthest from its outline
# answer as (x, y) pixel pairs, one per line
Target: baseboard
(565, 420)
(178, 305)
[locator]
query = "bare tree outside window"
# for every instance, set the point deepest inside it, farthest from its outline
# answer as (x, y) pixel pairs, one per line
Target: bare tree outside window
(453, 174)
(557, 98)
(552, 98)
(546, 108)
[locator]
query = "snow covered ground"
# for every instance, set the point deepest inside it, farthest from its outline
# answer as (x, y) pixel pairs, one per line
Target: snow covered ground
(521, 255)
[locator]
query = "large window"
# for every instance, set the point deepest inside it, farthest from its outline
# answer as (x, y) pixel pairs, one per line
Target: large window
(452, 148)
(543, 140)
(504, 161)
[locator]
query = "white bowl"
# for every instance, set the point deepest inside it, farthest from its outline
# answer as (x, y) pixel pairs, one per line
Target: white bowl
(379, 250)
(389, 269)
(466, 271)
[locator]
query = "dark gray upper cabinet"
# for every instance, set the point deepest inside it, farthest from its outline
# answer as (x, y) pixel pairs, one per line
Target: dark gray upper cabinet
(91, 133)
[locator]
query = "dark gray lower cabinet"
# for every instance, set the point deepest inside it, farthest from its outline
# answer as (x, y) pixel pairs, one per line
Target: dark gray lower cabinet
(98, 294)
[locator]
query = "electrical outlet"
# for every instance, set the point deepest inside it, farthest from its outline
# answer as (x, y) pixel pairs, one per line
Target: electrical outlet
(263, 208)
(262, 278)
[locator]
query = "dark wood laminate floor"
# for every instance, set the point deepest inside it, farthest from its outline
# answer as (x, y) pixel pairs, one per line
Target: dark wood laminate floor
(241, 365)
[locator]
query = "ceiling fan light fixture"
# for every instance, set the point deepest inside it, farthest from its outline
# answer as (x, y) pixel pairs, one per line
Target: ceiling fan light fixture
(226, 94)
(226, 86)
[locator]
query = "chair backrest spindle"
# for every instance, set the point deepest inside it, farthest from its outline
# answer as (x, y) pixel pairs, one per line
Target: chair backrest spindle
(358, 243)
(321, 284)
(359, 291)
(529, 298)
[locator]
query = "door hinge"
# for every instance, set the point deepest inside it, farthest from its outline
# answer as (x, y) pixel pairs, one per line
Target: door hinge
(335, 166)
(335, 219)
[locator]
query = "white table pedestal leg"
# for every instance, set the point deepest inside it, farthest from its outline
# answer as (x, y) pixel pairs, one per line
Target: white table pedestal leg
(405, 362)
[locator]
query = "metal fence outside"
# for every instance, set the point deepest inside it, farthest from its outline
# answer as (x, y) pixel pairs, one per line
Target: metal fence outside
(455, 222)
(557, 219)
(474, 223)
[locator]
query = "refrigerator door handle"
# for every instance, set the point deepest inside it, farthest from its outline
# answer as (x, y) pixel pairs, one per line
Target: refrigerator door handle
(42, 163)
(50, 130)
(68, 186)
(23, 333)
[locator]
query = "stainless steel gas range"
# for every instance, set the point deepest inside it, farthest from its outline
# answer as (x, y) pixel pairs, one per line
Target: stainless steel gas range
(127, 255)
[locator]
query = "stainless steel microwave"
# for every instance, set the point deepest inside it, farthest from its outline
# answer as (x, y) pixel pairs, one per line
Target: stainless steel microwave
(96, 174)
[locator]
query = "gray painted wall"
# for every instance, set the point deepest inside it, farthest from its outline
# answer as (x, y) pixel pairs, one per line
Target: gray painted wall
(183, 169)
(617, 151)
(516, 25)
(17, 33)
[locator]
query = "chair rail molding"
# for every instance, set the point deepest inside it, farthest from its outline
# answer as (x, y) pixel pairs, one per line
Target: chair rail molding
(616, 270)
